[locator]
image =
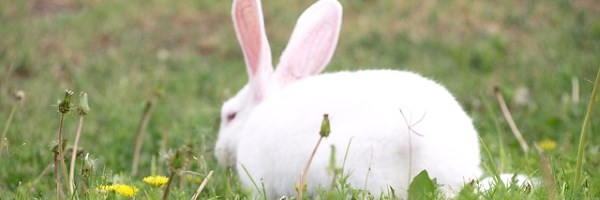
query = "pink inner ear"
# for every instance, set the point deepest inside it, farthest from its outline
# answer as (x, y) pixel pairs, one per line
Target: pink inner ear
(250, 30)
(249, 33)
(314, 51)
(309, 58)
(312, 43)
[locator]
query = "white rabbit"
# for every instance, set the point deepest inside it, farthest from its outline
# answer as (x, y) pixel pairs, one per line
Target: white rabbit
(400, 123)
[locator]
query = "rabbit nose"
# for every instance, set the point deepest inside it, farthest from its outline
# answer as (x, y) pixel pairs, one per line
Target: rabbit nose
(225, 157)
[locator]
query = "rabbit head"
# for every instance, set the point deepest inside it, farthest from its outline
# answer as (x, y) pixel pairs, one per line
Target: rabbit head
(309, 50)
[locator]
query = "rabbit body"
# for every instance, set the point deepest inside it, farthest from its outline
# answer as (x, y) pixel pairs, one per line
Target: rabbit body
(395, 123)
(399, 122)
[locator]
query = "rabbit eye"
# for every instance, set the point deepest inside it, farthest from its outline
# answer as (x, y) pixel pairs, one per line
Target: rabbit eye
(231, 116)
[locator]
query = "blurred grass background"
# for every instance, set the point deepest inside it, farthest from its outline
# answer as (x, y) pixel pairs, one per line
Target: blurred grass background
(125, 52)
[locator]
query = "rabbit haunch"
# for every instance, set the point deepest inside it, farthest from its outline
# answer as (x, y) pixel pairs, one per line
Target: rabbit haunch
(372, 108)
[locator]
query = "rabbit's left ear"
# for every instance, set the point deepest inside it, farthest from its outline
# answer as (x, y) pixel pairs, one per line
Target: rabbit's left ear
(313, 41)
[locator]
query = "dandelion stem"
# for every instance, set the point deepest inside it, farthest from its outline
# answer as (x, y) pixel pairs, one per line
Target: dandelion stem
(323, 132)
(74, 156)
(82, 110)
(175, 165)
(57, 156)
(7, 125)
(583, 135)
(19, 95)
(57, 177)
(166, 191)
(305, 170)
(140, 135)
(202, 185)
(510, 120)
(64, 107)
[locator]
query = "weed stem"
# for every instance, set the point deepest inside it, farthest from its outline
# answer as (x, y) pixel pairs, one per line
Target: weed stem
(583, 135)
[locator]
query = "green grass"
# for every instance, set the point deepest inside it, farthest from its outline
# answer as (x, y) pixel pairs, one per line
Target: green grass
(123, 53)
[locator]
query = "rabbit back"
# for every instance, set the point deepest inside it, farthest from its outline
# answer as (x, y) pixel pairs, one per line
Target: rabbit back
(400, 123)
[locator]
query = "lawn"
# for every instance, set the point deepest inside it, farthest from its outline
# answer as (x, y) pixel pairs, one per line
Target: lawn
(182, 56)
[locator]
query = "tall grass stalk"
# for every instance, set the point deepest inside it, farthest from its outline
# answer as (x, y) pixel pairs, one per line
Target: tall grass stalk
(492, 169)
(19, 96)
(583, 135)
(501, 146)
(547, 176)
(264, 194)
(202, 185)
(82, 110)
(139, 138)
(510, 120)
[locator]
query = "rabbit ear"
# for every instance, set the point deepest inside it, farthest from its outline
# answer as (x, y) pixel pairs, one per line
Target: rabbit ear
(250, 31)
(313, 41)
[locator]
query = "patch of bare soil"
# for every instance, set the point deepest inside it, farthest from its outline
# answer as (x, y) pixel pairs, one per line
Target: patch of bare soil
(49, 7)
(591, 5)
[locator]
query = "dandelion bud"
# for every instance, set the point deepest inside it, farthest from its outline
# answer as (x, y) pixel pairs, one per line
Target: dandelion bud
(325, 126)
(19, 95)
(84, 107)
(65, 104)
(176, 160)
(55, 147)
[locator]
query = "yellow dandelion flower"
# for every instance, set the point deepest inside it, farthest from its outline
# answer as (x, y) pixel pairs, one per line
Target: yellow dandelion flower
(104, 188)
(547, 144)
(125, 190)
(157, 181)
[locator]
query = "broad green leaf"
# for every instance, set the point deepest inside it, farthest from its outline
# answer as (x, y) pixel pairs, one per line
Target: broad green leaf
(422, 187)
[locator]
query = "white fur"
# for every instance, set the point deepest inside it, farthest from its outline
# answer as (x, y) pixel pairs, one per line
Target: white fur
(400, 123)
(280, 133)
